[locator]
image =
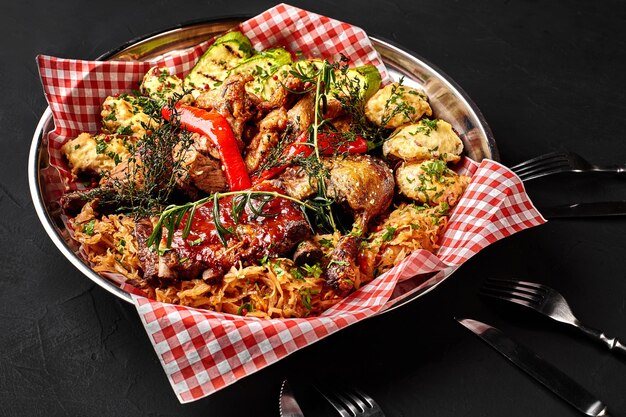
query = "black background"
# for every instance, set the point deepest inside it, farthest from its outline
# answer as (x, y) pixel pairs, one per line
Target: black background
(546, 75)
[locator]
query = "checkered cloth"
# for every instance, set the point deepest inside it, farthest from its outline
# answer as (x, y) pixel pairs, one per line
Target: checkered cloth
(203, 351)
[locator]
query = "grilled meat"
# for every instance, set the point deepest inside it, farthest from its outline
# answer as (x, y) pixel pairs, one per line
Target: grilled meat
(200, 171)
(308, 252)
(284, 97)
(297, 184)
(231, 101)
(147, 258)
(342, 269)
(361, 183)
(270, 131)
(281, 227)
(301, 115)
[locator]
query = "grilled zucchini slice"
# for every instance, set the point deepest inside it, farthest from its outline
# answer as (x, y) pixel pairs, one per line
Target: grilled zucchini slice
(262, 67)
(366, 77)
(214, 65)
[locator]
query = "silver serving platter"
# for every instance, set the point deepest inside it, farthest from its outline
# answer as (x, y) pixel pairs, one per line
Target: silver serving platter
(448, 100)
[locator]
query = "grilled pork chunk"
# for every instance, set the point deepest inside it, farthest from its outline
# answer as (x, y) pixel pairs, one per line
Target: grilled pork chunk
(252, 237)
(231, 101)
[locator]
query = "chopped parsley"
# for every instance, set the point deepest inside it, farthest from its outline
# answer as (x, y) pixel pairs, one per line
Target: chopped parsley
(196, 242)
(297, 274)
(278, 270)
(88, 227)
(314, 271)
(435, 169)
(245, 309)
(389, 233)
(163, 75)
(124, 130)
(327, 243)
(426, 126)
(305, 296)
(101, 146)
(115, 157)
(340, 263)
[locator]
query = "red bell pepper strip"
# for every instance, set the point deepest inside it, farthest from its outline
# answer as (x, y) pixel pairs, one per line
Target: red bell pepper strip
(216, 128)
(328, 143)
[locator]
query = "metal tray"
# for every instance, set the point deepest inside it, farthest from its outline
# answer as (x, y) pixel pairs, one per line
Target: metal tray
(447, 99)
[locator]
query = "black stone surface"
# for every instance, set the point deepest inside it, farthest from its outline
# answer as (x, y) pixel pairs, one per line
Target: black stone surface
(547, 76)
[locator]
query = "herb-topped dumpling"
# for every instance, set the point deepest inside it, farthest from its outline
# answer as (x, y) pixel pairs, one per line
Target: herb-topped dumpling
(428, 139)
(95, 154)
(161, 85)
(396, 105)
(126, 115)
(430, 182)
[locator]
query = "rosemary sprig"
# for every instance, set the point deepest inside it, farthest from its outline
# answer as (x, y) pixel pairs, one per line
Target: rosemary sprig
(173, 215)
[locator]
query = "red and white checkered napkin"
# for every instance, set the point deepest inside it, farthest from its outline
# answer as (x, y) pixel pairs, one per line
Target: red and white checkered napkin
(202, 351)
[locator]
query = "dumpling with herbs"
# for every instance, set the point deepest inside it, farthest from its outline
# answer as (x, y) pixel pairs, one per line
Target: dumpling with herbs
(395, 105)
(430, 182)
(428, 139)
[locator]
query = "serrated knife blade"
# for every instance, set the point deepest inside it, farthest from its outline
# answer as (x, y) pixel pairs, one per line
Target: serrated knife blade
(551, 377)
(287, 403)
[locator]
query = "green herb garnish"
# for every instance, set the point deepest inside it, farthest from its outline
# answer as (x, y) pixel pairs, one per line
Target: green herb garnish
(88, 227)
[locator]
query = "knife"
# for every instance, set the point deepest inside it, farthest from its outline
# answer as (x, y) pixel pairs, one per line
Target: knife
(287, 404)
(555, 380)
(596, 209)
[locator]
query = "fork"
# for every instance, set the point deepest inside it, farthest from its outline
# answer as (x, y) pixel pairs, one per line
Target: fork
(353, 403)
(546, 301)
(555, 162)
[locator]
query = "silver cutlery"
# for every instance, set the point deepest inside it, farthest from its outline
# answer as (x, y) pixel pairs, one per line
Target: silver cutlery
(287, 404)
(353, 403)
(548, 302)
(551, 377)
(576, 210)
(556, 162)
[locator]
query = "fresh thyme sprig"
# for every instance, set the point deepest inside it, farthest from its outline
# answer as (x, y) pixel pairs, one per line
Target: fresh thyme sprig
(325, 78)
(155, 168)
(353, 103)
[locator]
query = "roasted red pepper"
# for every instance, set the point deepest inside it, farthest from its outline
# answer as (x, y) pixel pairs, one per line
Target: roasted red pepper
(216, 128)
(329, 143)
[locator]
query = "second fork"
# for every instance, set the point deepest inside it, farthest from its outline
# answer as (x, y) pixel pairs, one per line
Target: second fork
(556, 162)
(353, 403)
(546, 301)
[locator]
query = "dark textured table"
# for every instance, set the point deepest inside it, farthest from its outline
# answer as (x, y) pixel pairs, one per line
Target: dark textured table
(546, 75)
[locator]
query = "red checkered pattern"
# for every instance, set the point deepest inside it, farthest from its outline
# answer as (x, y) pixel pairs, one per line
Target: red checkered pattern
(315, 35)
(203, 351)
